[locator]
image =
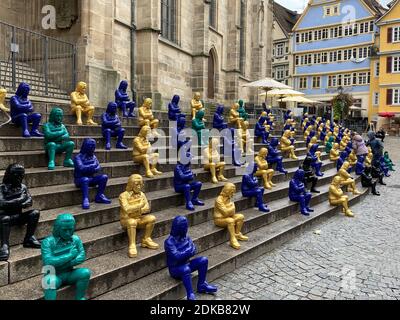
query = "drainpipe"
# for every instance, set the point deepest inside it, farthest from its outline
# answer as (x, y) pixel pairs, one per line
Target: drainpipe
(133, 39)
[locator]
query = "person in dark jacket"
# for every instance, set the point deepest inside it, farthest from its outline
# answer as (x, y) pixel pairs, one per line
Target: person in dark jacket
(381, 134)
(377, 148)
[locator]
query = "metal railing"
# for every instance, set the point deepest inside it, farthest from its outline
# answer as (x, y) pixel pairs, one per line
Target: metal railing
(46, 63)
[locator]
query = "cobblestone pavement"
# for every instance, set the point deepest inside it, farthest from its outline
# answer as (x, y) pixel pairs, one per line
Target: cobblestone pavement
(350, 259)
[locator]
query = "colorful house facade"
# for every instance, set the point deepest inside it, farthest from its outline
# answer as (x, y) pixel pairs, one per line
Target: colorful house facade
(333, 42)
(385, 84)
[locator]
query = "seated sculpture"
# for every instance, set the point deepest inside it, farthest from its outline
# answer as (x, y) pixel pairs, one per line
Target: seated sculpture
(334, 154)
(288, 115)
(123, 100)
(22, 112)
(338, 198)
(143, 154)
(323, 134)
(174, 111)
(298, 192)
(275, 157)
(111, 127)
(14, 199)
(178, 138)
(316, 162)
(179, 248)
(57, 140)
(368, 182)
(286, 145)
(134, 214)
(328, 138)
(313, 141)
(3, 94)
(62, 252)
(225, 216)
(342, 158)
(87, 174)
(234, 116)
(389, 163)
(263, 169)
(271, 122)
(213, 162)
(242, 111)
(196, 104)
(184, 182)
(307, 132)
(80, 104)
(146, 117)
(347, 179)
(219, 121)
(260, 130)
(199, 126)
(246, 142)
(384, 167)
(250, 188)
(360, 167)
(309, 176)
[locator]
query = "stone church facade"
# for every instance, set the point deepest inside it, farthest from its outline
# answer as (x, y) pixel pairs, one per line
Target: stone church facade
(162, 47)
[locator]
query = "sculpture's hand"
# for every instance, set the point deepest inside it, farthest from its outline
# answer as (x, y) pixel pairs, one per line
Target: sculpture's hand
(74, 253)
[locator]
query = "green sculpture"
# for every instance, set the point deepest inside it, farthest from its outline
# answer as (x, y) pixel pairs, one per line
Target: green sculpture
(242, 111)
(329, 145)
(61, 252)
(198, 125)
(57, 140)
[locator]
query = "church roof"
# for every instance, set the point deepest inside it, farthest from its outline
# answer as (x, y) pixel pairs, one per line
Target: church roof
(285, 17)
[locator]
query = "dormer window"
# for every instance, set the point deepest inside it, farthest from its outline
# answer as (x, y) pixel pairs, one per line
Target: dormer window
(332, 10)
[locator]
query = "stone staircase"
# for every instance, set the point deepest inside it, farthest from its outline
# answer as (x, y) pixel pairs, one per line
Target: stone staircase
(114, 275)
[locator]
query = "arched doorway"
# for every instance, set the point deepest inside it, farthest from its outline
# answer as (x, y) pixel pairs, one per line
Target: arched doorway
(211, 75)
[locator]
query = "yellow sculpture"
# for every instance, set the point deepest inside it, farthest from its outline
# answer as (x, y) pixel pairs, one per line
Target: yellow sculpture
(369, 157)
(314, 140)
(286, 145)
(263, 170)
(213, 162)
(335, 152)
(246, 142)
(234, 116)
(353, 158)
(134, 214)
(347, 180)
(336, 132)
(146, 117)
(3, 94)
(308, 131)
(225, 215)
(303, 125)
(337, 197)
(142, 153)
(196, 104)
(80, 104)
(343, 143)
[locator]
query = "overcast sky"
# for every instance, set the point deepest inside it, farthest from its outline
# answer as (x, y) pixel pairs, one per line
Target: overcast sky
(299, 5)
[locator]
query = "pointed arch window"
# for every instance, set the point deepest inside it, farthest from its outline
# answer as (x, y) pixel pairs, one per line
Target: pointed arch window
(211, 75)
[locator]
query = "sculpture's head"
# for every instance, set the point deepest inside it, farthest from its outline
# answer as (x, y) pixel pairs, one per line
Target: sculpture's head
(180, 227)
(336, 181)
(361, 159)
(135, 184)
(64, 227)
(346, 165)
(214, 144)
(229, 190)
(88, 147)
(287, 134)
(176, 99)
(144, 132)
(336, 146)
(148, 102)
(272, 118)
(220, 109)
(314, 140)
(307, 162)
(200, 115)
(14, 175)
(299, 175)
(330, 136)
(386, 154)
(314, 148)
(197, 96)
(274, 142)
(268, 127)
(56, 116)
(3, 93)
(181, 121)
(123, 86)
(235, 106)
(263, 153)
(23, 90)
(241, 104)
(305, 115)
(81, 87)
(112, 108)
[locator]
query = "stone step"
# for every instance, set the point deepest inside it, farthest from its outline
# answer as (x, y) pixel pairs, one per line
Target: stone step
(223, 260)
(115, 269)
(109, 237)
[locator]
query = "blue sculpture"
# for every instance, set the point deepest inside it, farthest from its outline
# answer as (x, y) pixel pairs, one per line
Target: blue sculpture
(298, 192)
(178, 138)
(179, 248)
(288, 115)
(274, 156)
(123, 101)
(266, 108)
(310, 136)
(323, 134)
(22, 112)
(87, 169)
(316, 163)
(184, 182)
(360, 167)
(260, 130)
(219, 121)
(384, 167)
(251, 189)
(309, 175)
(174, 111)
(111, 127)
(341, 160)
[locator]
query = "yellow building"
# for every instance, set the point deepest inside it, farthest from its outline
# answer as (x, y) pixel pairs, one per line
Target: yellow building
(385, 77)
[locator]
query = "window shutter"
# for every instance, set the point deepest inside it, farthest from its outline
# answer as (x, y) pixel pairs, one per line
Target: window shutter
(389, 35)
(389, 65)
(389, 97)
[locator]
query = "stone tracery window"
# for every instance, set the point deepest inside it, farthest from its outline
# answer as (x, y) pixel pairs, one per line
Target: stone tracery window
(169, 19)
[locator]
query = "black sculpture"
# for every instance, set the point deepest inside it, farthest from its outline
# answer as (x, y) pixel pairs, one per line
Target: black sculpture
(368, 181)
(310, 176)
